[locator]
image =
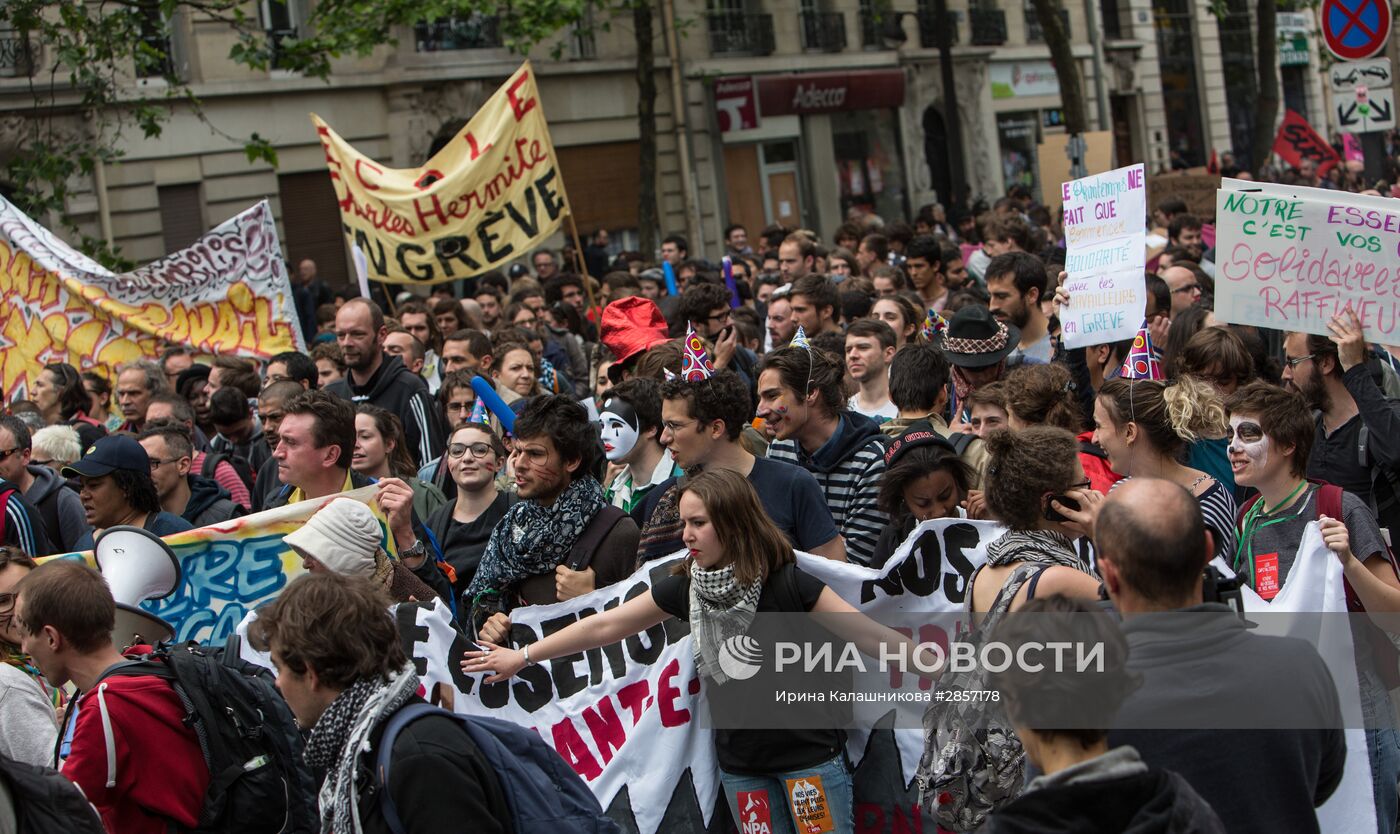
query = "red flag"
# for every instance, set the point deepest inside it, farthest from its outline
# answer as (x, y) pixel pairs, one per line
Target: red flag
(1296, 141)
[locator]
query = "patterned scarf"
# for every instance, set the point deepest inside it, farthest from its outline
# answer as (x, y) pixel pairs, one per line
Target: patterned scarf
(962, 386)
(1038, 547)
(664, 526)
(342, 734)
(720, 609)
(532, 539)
(22, 662)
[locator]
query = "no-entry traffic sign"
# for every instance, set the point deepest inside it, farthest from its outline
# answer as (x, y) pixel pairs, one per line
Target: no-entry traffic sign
(1355, 29)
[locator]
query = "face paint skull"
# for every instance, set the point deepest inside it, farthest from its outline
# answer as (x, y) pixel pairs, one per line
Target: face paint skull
(1249, 446)
(620, 428)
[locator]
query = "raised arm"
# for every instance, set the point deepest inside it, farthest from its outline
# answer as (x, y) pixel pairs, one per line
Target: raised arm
(631, 617)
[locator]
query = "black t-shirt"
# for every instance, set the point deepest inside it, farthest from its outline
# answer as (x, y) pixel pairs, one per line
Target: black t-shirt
(1334, 459)
(771, 749)
(463, 544)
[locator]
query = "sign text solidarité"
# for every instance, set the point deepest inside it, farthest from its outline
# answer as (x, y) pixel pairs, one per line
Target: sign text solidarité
(1290, 258)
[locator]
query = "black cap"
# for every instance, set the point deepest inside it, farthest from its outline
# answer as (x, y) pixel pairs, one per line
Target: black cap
(116, 451)
(976, 339)
(919, 433)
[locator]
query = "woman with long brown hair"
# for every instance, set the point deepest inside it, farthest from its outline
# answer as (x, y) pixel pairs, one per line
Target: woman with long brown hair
(739, 564)
(381, 451)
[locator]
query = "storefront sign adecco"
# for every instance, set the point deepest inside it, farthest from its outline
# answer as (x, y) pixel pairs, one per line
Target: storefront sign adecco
(800, 94)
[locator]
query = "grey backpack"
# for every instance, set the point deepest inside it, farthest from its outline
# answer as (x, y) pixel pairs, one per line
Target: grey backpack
(973, 762)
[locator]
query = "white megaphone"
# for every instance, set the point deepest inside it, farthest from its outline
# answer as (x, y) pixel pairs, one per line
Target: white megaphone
(138, 566)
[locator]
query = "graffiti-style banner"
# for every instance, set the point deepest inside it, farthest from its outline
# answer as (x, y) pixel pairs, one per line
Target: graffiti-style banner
(488, 197)
(227, 293)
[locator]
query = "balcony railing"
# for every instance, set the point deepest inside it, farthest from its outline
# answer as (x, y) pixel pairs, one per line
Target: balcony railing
(873, 23)
(988, 26)
(823, 31)
(928, 28)
(738, 33)
(1035, 34)
(473, 32)
(17, 56)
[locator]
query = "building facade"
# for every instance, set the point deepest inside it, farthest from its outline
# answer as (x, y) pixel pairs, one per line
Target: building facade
(794, 111)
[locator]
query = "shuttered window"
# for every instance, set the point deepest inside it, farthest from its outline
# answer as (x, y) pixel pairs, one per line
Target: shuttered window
(603, 184)
(311, 225)
(181, 215)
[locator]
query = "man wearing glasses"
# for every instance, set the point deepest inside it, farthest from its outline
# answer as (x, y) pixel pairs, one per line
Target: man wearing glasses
(53, 509)
(117, 489)
(1185, 285)
(200, 501)
(706, 307)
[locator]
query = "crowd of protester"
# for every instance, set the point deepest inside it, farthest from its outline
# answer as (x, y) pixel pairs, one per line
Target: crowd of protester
(536, 434)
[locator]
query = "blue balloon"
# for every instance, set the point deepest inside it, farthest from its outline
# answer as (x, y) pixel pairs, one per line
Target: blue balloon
(494, 402)
(670, 278)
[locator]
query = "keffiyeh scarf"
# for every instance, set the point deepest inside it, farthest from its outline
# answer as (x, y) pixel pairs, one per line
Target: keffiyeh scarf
(342, 734)
(531, 539)
(962, 386)
(720, 608)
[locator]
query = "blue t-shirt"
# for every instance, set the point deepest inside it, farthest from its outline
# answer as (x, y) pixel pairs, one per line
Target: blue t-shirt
(790, 495)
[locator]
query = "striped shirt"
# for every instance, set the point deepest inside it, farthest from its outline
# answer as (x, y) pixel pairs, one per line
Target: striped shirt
(20, 529)
(851, 487)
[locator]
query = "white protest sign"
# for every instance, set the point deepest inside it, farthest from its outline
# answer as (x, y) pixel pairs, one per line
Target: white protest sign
(1106, 254)
(1315, 585)
(1290, 258)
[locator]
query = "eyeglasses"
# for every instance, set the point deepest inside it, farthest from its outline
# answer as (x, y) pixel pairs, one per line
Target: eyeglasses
(458, 408)
(1189, 288)
(1295, 361)
(723, 317)
(7, 603)
(157, 463)
(478, 450)
(673, 427)
(5, 455)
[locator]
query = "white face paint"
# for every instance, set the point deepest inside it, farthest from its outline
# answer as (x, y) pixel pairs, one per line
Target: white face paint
(620, 429)
(1247, 439)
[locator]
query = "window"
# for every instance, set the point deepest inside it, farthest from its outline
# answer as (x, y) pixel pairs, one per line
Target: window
(154, 54)
(282, 20)
(1237, 30)
(181, 215)
(1181, 92)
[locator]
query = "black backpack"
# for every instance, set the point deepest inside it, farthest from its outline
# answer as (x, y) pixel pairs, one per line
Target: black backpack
(239, 463)
(258, 780)
(46, 802)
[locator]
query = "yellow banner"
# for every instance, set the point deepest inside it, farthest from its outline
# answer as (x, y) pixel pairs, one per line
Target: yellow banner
(227, 293)
(486, 198)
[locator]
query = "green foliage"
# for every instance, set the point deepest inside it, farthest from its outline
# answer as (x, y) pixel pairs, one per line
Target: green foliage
(88, 95)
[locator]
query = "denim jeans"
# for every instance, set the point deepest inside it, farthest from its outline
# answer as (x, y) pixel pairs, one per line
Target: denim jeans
(766, 804)
(1383, 749)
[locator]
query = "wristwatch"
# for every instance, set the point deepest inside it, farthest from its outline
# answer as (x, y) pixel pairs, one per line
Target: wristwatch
(417, 551)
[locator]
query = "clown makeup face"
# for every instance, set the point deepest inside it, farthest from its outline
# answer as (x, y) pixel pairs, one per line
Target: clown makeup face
(1248, 450)
(620, 429)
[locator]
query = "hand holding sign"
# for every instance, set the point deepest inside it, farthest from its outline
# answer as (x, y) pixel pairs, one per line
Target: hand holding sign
(1106, 253)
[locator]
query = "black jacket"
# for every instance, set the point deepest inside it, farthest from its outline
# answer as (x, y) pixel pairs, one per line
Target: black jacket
(438, 779)
(209, 503)
(397, 389)
(1155, 802)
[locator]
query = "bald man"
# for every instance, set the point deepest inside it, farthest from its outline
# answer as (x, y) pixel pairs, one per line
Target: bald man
(1214, 696)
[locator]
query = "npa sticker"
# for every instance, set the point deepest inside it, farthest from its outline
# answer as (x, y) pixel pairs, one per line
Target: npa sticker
(810, 810)
(1266, 575)
(755, 815)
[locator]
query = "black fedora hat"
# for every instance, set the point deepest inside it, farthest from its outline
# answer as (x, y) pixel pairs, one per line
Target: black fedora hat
(976, 339)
